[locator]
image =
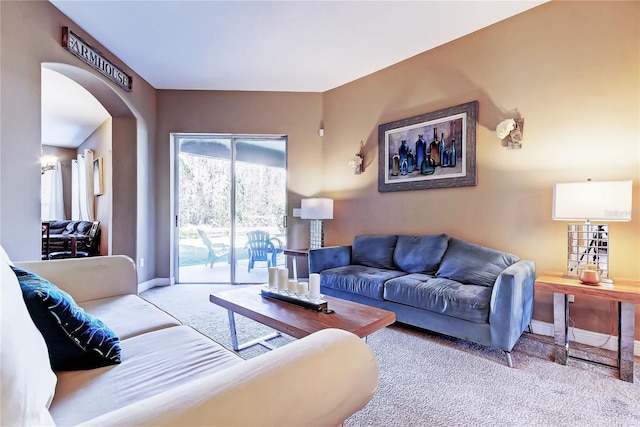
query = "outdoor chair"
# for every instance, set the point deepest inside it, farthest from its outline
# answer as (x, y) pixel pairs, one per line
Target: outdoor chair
(216, 250)
(261, 247)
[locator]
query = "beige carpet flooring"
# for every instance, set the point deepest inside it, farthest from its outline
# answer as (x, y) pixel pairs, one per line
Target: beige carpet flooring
(431, 380)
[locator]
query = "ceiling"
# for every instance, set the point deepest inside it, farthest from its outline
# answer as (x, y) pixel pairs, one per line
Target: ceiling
(299, 46)
(70, 114)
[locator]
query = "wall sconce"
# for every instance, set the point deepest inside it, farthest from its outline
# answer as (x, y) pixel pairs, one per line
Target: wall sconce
(357, 162)
(47, 163)
(512, 128)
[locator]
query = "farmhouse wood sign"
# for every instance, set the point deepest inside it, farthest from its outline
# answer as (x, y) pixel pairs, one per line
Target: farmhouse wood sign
(94, 58)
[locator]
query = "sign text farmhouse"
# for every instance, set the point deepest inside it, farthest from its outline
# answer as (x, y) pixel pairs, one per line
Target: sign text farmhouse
(94, 58)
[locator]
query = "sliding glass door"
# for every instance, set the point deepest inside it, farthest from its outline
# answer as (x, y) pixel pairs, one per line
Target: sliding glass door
(228, 189)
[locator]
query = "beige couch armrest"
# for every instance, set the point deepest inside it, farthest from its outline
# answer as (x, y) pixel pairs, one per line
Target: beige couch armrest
(88, 278)
(319, 380)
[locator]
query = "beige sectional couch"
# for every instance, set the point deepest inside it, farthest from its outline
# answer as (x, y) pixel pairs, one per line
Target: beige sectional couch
(169, 373)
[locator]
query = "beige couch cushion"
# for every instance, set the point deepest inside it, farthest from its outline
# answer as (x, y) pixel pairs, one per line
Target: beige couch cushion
(26, 379)
(129, 315)
(151, 363)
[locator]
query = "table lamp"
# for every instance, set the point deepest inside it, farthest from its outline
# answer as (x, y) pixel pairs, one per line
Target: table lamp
(316, 210)
(588, 201)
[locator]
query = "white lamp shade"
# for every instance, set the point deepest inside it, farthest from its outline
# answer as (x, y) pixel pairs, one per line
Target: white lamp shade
(316, 208)
(592, 200)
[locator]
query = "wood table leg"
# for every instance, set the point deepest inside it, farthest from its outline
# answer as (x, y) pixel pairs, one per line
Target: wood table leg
(294, 265)
(74, 246)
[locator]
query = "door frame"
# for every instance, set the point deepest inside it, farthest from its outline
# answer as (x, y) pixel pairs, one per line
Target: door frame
(174, 199)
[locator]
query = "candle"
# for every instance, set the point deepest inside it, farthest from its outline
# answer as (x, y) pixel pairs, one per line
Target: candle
(303, 288)
(273, 277)
(292, 286)
(283, 276)
(314, 285)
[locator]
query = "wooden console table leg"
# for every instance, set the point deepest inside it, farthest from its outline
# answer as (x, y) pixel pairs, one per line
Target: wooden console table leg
(626, 336)
(561, 326)
(294, 264)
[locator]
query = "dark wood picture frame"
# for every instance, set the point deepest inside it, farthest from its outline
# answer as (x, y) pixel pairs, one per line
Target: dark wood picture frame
(452, 164)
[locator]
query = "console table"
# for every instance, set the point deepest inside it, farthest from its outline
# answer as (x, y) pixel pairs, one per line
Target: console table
(625, 292)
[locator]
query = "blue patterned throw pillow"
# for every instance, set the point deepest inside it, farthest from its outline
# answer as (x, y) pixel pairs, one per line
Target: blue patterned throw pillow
(75, 339)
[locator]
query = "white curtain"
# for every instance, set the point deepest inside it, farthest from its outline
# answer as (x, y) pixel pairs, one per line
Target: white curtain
(82, 187)
(56, 200)
(75, 199)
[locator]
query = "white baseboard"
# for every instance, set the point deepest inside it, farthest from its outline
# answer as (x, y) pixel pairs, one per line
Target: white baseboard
(153, 283)
(595, 339)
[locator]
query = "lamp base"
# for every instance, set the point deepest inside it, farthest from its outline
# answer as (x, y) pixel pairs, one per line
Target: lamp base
(316, 234)
(587, 244)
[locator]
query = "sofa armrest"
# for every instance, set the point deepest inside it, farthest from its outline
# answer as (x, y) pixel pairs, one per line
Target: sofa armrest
(329, 257)
(319, 380)
(89, 278)
(512, 304)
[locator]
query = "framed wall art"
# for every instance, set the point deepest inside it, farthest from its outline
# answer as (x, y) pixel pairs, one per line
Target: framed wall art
(98, 184)
(433, 150)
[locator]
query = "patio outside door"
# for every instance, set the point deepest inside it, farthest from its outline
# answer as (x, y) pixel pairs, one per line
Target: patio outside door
(227, 186)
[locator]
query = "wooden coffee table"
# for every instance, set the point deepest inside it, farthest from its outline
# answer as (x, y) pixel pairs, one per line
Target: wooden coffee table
(295, 321)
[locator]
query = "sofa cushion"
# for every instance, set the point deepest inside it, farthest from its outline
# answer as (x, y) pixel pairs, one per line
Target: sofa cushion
(443, 296)
(83, 227)
(57, 227)
(358, 279)
(473, 264)
(374, 251)
(26, 379)
(70, 228)
(75, 339)
(152, 363)
(420, 254)
(129, 315)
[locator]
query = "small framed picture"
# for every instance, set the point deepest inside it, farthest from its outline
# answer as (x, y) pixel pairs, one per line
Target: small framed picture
(98, 186)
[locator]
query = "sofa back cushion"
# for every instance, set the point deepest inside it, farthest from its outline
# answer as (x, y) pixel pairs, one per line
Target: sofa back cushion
(58, 227)
(26, 378)
(83, 227)
(420, 254)
(469, 263)
(374, 251)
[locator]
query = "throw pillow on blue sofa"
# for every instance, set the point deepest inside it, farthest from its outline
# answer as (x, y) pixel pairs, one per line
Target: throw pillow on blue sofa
(466, 262)
(374, 251)
(420, 254)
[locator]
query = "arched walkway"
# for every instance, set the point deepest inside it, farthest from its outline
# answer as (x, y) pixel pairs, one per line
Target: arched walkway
(123, 222)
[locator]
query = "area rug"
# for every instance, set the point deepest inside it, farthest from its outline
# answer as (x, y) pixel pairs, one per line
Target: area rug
(427, 379)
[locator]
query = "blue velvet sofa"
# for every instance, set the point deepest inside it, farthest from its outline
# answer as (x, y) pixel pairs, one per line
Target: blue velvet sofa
(434, 282)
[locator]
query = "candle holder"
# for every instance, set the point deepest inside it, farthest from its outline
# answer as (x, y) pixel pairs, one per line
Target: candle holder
(315, 305)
